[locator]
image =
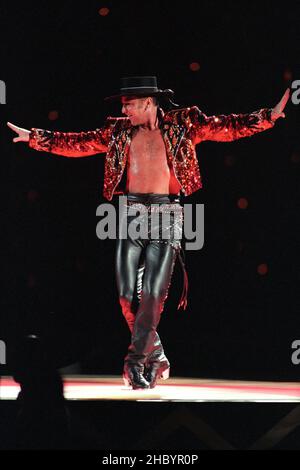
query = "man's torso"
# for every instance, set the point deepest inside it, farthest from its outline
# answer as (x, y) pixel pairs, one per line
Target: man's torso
(148, 170)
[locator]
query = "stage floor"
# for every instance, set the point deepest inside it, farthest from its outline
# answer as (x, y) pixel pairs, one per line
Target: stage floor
(173, 390)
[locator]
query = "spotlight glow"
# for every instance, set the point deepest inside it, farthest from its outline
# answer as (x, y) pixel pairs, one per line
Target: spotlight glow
(242, 203)
(53, 115)
(262, 269)
(104, 11)
(194, 66)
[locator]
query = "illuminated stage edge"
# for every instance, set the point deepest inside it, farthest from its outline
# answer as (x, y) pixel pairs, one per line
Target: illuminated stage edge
(173, 390)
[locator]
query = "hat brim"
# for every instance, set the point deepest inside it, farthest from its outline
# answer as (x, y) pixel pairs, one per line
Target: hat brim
(159, 94)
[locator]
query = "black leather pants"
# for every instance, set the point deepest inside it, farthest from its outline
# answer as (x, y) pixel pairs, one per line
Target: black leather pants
(144, 268)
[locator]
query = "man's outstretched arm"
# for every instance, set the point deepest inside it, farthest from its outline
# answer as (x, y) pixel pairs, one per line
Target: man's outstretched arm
(226, 128)
(68, 144)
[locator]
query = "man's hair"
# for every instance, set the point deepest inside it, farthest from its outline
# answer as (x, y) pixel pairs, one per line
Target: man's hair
(155, 101)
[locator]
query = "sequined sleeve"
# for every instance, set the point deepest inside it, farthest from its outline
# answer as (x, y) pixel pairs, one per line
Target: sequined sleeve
(225, 128)
(72, 144)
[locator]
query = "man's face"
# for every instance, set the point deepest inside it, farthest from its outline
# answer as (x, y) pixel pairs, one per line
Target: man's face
(135, 109)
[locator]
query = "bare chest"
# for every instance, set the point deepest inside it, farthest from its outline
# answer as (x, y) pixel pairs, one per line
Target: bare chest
(147, 149)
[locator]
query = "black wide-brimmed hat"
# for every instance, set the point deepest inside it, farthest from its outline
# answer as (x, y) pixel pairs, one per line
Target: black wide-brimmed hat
(141, 86)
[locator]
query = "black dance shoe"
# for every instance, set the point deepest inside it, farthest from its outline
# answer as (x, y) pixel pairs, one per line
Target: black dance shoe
(133, 376)
(156, 370)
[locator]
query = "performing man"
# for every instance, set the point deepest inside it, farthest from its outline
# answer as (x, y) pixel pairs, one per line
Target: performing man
(153, 153)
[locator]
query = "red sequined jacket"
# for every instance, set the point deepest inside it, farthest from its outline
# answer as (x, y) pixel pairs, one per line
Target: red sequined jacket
(182, 129)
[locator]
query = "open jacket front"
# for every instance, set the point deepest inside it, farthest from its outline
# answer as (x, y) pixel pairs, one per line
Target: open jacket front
(182, 129)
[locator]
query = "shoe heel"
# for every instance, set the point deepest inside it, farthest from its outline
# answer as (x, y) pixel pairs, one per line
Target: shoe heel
(165, 374)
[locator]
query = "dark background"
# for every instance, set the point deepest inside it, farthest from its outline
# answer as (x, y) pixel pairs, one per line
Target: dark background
(58, 278)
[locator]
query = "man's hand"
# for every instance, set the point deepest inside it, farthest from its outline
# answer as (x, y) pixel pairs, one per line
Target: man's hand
(23, 133)
(277, 111)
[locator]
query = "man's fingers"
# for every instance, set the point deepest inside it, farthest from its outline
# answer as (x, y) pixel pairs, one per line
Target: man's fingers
(281, 115)
(285, 97)
(11, 125)
(282, 103)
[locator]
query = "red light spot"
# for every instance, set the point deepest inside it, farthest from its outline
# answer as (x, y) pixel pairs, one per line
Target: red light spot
(195, 66)
(242, 203)
(262, 269)
(53, 115)
(104, 11)
(32, 195)
(287, 75)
